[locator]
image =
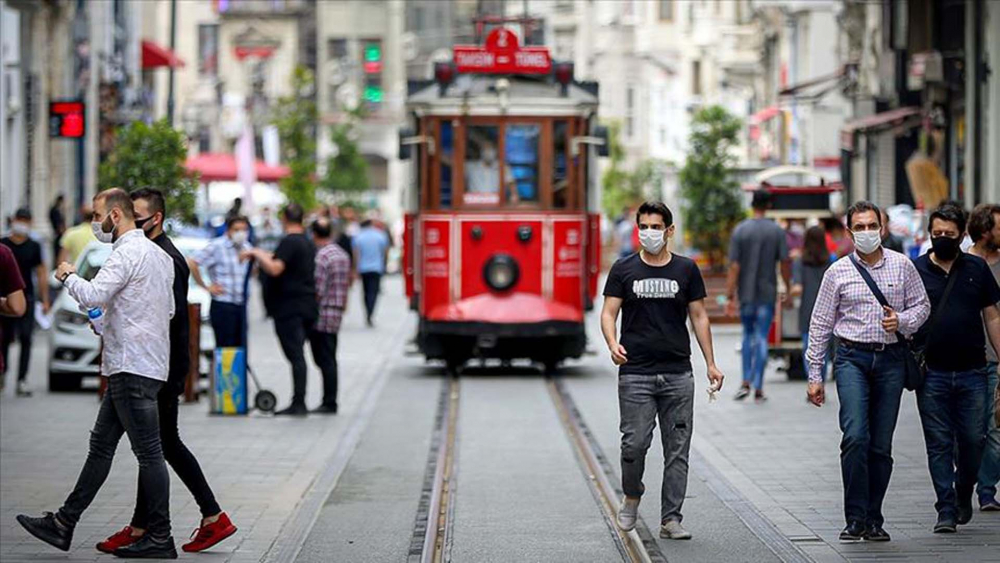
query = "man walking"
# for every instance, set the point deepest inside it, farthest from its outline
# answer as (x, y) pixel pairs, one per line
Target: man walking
(870, 363)
(228, 271)
(77, 237)
(28, 255)
(292, 268)
(656, 291)
(133, 289)
(150, 210)
(333, 278)
(57, 220)
(12, 302)
(371, 246)
(758, 245)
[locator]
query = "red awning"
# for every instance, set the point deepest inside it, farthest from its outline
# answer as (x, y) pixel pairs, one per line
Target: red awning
(765, 114)
(154, 56)
(878, 121)
(220, 167)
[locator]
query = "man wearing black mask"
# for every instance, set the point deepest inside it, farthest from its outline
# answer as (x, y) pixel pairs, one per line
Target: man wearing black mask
(963, 293)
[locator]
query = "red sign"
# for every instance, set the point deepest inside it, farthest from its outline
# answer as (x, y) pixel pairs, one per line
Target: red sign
(502, 54)
(67, 119)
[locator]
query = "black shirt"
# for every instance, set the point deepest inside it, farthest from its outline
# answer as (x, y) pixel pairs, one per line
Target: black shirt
(28, 255)
(295, 289)
(654, 312)
(344, 242)
(180, 331)
(958, 342)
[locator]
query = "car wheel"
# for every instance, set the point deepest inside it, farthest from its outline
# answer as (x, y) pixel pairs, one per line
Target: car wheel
(64, 381)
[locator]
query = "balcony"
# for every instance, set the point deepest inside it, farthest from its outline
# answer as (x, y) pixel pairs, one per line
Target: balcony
(256, 8)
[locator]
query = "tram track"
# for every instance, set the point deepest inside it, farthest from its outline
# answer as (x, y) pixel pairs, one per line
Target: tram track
(432, 537)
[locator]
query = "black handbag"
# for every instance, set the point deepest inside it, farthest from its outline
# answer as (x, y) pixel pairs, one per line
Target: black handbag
(916, 365)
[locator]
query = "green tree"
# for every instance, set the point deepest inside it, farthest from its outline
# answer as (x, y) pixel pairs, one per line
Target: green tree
(151, 156)
(620, 187)
(295, 117)
(347, 172)
(712, 201)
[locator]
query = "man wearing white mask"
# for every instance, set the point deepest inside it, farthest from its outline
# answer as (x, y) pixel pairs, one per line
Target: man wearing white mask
(228, 272)
(656, 291)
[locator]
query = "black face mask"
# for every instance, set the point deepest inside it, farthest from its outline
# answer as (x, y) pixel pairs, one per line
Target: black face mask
(145, 221)
(946, 248)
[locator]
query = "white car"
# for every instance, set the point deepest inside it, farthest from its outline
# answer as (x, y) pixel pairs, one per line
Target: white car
(74, 349)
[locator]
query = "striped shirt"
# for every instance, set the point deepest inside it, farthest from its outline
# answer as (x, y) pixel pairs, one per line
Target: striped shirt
(847, 308)
(221, 259)
(333, 278)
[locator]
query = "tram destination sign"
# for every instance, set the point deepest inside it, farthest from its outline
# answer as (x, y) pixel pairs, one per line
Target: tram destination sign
(502, 54)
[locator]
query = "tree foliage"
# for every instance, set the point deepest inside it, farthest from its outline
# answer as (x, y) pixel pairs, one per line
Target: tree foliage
(712, 201)
(295, 116)
(622, 188)
(151, 156)
(347, 171)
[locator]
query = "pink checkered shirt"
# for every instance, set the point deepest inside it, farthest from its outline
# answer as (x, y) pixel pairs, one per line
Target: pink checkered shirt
(847, 309)
(333, 278)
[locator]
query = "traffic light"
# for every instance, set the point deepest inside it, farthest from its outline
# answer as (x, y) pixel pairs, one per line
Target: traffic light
(371, 55)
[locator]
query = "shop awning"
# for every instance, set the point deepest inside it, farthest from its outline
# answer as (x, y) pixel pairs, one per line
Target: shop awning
(815, 88)
(154, 56)
(220, 167)
(906, 116)
(765, 114)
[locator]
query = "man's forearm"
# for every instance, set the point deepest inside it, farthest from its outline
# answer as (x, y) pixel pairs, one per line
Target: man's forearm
(43, 285)
(703, 333)
(993, 328)
(732, 276)
(610, 330)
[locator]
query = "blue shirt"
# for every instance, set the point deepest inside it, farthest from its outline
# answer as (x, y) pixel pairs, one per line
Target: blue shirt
(221, 259)
(371, 244)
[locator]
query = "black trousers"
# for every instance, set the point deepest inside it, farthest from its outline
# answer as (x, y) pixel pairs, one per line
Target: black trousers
(180, 459)
(370, 282)
(227, 324)
(20, 329)
(324, 349)
(292, 332)
(129, 407)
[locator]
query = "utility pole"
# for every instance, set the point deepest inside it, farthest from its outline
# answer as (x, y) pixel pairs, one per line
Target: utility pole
(173, 45)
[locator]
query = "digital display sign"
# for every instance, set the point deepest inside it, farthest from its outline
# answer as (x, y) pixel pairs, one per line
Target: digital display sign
(67, 119)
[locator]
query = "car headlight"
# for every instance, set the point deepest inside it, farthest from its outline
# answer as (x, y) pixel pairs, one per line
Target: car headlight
(501, 272)
(65, 317)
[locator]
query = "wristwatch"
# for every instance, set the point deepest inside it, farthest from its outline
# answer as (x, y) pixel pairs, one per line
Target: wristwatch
(66, 277)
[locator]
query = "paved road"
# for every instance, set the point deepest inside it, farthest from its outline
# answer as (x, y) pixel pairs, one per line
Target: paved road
(765, 481)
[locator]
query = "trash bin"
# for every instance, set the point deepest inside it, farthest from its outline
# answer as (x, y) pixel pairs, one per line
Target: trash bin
(229, 381)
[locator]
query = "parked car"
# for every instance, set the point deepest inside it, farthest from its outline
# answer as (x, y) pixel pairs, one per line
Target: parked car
(74, 349)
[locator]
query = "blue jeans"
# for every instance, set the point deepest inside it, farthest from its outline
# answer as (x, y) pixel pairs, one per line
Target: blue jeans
(756, 318)
(870, 385)
(805, 347)
(951, 412)
(989, 469)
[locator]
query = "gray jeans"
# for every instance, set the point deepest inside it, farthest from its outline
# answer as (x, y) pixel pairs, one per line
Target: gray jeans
(641, 399)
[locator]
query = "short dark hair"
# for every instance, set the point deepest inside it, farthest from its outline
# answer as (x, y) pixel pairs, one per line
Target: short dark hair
(982, 220)
(761, 199)
(861, 207)
(293, 213)
(322, 228)
(24, 214)
(655, 208)
(951, 213)
(154, 198)
(117, 197)
(233, 219)
(366, 223)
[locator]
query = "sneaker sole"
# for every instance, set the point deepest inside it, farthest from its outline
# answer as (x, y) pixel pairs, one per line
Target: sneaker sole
(851, 539)
(990, 508)
(227, 533)
(667, 536)
(945, 530)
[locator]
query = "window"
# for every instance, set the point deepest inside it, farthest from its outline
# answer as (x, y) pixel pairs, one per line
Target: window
(560, 161)
(208, 50)
(336, 48)
(482, 166)
(521, 173)
(695, 78)
(447, 156)
(666, 9)
(629, 111)
(204, 139)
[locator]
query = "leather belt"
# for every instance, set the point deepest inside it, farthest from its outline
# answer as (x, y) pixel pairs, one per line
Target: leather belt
(868, 346)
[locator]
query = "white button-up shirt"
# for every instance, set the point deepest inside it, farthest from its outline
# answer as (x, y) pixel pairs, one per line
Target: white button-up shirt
(134, 288)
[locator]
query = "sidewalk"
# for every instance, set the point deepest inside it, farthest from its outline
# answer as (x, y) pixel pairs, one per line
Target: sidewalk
(259, 466)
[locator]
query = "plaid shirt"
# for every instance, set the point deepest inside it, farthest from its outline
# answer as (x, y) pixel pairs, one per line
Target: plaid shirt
(221, 259)
(847, 309)
(333, 277)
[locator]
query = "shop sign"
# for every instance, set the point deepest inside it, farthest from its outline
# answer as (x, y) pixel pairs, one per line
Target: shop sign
(502, 54)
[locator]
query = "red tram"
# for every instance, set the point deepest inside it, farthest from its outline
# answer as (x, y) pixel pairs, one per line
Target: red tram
(501, 252)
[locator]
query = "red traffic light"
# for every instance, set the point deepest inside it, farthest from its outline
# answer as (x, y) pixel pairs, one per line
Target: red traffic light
(563, 73)
(444, 73)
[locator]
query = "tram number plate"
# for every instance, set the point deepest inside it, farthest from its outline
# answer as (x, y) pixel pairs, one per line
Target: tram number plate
(486, 341)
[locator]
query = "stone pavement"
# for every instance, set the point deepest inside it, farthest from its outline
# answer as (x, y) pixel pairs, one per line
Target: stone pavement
(259, 467)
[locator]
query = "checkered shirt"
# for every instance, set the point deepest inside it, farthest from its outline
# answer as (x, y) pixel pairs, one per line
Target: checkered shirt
(221, 259)
(847, 309)
(333, 277)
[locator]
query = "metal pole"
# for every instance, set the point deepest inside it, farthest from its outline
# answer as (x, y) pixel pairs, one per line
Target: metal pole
(173, 44)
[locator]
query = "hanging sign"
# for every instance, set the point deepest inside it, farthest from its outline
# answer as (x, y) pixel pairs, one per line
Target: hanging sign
(502, 54)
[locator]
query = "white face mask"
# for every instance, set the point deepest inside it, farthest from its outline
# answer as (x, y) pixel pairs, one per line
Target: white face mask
(867, 241)
(652, 240)
(99, 233)
(238, 237)
(22, 229)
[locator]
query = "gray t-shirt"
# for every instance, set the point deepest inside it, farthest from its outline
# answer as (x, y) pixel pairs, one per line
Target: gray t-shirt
(809, 277)
(991, 354)
(758, 245)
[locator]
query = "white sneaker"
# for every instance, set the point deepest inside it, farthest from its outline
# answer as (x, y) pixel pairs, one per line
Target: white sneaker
(672, 530)
(22, 389)
(628, 512)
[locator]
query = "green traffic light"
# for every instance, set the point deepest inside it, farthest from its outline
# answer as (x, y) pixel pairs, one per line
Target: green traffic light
(373, 94)
(373, 52)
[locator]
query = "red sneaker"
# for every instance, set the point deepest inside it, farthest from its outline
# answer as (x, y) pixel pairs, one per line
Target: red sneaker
(119, 539)
(210, 534)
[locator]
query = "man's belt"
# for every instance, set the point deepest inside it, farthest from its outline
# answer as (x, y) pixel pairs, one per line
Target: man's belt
(868, 346)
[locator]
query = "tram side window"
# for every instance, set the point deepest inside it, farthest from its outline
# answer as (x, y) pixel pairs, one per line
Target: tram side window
(482, 166)
(448, 153)
(522, 161)
(560, 154)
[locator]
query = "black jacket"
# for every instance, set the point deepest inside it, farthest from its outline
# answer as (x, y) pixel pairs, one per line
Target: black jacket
(180, 358)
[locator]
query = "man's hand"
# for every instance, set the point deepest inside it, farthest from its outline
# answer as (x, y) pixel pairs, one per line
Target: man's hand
(46, 306)
(216, 290)
(248, 254)
(618, 354)
(731, 310)
(64, 270)
(786, 301)
(715, 377)
(890, 323)
(817, 394)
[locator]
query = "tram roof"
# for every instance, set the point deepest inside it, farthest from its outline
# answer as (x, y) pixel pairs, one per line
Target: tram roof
(479, 95)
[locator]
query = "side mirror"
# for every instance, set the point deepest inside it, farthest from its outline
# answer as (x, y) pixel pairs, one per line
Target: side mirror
(405, 150)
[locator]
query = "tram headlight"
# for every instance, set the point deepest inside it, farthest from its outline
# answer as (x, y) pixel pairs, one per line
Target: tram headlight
(501, 272)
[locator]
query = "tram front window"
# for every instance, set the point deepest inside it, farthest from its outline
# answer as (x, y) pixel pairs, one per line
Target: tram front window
(482, 166)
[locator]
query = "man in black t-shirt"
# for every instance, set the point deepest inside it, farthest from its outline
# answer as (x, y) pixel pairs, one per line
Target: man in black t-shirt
(952, 400)
(291, 269)
(28, 255)
(656, 291)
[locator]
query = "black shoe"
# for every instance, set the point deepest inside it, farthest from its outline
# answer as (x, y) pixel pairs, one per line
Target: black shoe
(963, 512)
(743, 393)
(325, 409)
(876, 533)
(47, 529)
(294, 410)
(855, 531)
(149, 548)
(945, 524)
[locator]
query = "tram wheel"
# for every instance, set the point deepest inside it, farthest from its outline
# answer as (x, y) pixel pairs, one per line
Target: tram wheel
(550, 367)
(453, 366)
